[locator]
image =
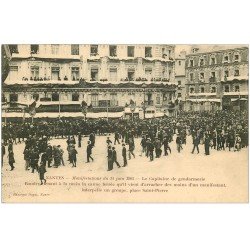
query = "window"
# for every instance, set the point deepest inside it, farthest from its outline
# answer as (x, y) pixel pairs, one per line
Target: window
(225, 59)
(213, 75)
(236, 72)
(236, 58)
(55, 73)
(74, 49)
(226, 89)
(34, 48)
(148, 51)
(54, 49)
(13, 48)
(131, 74)
(179, 83)
(113, 50)
(34, 72)
(191, 90)
(113, 99)
(191, 77)
(158, 99)
(212, 60)
(202, 89)
(164, 53)
(191, 63)
(36, 97)
(94, 100)
(93, 50)
(131, 51)
(113, 74)
(94, 74)
(237, 88)
(213, 90)
(14, 72)
(202, 76)
(55, 97)
(226, 73)
(13, 97)
(75, 73)
(75, 97)
(179, 63)
(201, 62)
(179, 94)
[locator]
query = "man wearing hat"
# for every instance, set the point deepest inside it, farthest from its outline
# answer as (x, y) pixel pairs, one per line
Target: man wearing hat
(114, 158)
(89, 151)
(110, 162)
(124, 155)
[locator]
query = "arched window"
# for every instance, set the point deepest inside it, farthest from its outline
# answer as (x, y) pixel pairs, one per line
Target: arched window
(75, 97)
(55, 97)
(13, 97)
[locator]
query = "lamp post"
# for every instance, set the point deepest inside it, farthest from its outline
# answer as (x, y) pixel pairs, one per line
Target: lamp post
(84, 107)
(132, 109)
(144, 95)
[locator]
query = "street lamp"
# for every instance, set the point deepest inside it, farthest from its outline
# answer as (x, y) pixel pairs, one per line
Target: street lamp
(132, 109)
(84, 107)
(144, 104)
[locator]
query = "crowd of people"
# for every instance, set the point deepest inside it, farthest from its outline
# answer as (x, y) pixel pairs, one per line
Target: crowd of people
(218, 130)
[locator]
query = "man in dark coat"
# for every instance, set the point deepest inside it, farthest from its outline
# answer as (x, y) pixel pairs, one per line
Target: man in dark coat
(207, 144)
(114, 157)
(150, 150)
(49, 155)
(117, 135)
(79, 140)
(166, 146)
(196, 142)
(110, 161)
(124, 155)
(42, 168)
(3, 152)
(92, 139)
(89, 151)
(11, 160)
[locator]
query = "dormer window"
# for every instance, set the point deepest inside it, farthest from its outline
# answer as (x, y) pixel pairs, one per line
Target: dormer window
(236, 58)
(226, 59)
(212, 60)
(113, 50)
(236, 72)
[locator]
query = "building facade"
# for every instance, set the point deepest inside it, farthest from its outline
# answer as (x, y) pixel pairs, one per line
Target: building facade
(217, 80)
(60, 77)
(180, 78)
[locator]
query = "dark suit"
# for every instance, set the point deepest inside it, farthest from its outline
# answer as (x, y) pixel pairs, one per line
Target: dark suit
(124, 155)
(89, 152)
(110, 162)
(114, 158)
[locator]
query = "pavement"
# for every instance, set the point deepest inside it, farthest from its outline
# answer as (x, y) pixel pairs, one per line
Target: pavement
(219, 168)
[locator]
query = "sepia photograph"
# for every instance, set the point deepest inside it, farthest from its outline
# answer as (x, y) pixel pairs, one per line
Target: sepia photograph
(124, 123)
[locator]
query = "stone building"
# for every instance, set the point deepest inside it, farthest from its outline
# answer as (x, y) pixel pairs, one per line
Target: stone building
(217, 80)
(105, 77)
(180, 78)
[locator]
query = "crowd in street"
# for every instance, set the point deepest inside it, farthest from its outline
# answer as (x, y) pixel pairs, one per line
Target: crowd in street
(221, 130)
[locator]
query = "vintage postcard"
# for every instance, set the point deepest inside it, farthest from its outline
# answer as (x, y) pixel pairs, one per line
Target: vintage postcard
(124, 123)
